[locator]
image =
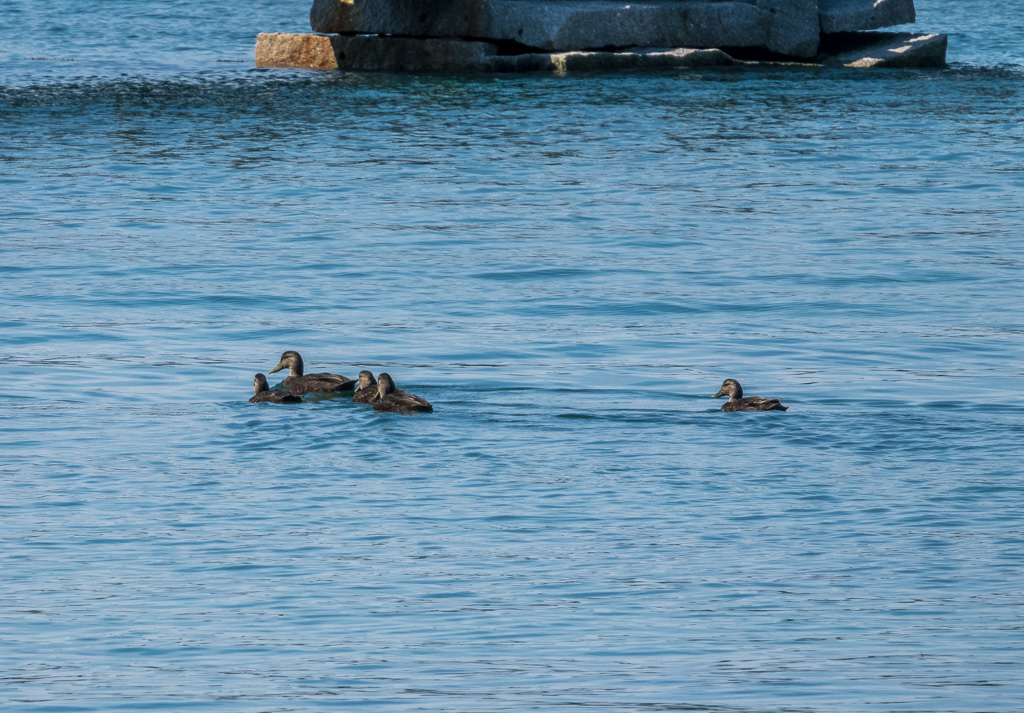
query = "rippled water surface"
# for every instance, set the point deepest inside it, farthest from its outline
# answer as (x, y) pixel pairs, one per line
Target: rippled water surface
(567, 268)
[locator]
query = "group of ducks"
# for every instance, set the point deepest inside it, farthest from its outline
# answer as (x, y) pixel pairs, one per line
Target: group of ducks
(380, 391)
(385, 396)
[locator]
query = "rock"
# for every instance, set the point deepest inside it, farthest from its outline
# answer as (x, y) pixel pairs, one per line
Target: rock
(680, 58)
(848, 15)
(883, 49)
(788, 27)
(404, 54)
(283, 49)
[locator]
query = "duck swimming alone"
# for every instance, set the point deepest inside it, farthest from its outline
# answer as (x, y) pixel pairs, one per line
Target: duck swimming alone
(737, 402)
(299, 383)
(392, 398)
(263, 393)
(366, 389)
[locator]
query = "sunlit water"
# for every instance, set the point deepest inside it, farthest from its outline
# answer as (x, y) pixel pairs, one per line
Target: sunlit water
(567, 268)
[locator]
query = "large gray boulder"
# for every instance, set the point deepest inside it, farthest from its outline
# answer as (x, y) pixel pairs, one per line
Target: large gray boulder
(848, 15)
(789, 27)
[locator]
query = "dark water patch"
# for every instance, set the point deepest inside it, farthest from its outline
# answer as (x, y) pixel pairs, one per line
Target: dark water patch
(540, 274)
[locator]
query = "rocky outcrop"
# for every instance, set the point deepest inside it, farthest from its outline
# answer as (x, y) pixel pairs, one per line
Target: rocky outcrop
(850, 15)
(582, 35)
(788, 27)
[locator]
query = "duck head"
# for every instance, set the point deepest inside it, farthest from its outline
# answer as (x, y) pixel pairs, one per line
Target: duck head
(385, 385)
(730, 388)
(289, 360)
(259, 384)
(366, 379)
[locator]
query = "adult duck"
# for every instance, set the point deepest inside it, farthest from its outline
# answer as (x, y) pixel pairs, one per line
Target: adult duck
(738, 402)
(263, 393)
(366, 388)
(392, 398)
(300, 383)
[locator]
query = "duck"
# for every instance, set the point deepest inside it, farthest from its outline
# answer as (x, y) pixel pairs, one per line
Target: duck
(737, 402)
(366, 388)
(299, 383)
(263, 393)
(392, 398)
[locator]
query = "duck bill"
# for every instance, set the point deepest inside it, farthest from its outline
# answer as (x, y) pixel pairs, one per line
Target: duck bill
(276, 369)
(720, 393)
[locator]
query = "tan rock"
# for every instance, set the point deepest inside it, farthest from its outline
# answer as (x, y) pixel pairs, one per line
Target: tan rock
(283, 49)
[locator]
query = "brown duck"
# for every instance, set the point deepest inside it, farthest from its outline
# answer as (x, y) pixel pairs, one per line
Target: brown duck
(392, 398)
(366, 388)
(263, 393)
(299, 383)
(738, 402)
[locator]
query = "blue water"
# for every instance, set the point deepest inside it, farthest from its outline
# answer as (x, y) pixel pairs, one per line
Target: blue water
(567, 268)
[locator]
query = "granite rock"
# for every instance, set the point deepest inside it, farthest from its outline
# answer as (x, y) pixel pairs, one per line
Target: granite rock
(288, 50)
(848, 15)
(789, 27)
(884, 49)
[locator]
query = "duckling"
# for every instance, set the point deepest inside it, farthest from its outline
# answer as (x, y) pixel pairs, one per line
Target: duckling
(737, 402)
(366, 391)
(263, 393)
(392, 398)
(299, 383)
